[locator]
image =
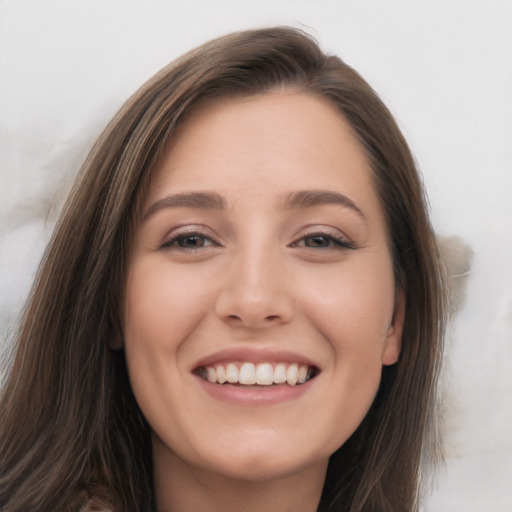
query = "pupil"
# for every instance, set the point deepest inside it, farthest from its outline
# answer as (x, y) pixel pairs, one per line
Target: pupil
(192, 241)
(318, 241)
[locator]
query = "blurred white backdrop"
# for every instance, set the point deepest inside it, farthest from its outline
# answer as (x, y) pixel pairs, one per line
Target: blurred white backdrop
(444, 67)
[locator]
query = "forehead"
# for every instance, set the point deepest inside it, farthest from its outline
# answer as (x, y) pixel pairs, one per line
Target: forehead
(264, 145)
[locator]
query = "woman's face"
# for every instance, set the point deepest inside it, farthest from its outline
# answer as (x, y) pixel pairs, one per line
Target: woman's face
(260, 300)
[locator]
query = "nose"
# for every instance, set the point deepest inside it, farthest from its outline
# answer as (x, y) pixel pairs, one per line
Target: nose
(256, 292)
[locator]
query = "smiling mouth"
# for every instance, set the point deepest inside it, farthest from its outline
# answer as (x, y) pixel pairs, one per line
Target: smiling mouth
(262, 374)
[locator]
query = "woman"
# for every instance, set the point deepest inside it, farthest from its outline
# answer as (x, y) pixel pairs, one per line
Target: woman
(241, 306)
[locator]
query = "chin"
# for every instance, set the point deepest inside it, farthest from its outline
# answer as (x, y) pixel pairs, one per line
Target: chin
(263, 471)
(257, 465)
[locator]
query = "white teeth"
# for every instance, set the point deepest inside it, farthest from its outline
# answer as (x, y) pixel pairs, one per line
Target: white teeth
(280, 374)
(232, 373)
(263, 374)
(221, 374)
(302, 375)
(247, 374)
(211, 375)
(292, 374)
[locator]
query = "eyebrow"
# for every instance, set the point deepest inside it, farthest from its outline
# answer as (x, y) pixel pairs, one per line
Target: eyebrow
(212, 201)
(311, 198)
(201, 200)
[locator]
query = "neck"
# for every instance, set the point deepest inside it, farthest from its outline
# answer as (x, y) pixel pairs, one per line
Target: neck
(181, 488)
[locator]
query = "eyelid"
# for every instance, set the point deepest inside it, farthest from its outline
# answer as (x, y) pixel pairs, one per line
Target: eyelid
(334, 234)
(189, 230)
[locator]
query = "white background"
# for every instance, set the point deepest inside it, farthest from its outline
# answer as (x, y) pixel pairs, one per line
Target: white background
(443, 67)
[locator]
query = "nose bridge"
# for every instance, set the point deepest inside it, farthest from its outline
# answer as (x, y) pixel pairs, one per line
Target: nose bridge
(256, 291)
(257, 272)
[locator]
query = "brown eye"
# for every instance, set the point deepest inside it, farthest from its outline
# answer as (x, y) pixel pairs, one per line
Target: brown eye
(190, 241)
(318, 241)
(323, 241)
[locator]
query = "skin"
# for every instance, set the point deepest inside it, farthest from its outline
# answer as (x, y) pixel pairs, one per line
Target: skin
(260, 276)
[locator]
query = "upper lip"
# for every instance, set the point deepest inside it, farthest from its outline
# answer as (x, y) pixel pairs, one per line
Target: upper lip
(253, 355)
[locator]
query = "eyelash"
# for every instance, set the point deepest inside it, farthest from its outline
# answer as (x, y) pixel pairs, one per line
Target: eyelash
(334, 242)
(179, 238)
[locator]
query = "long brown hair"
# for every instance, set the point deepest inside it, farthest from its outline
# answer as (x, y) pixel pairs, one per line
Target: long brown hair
(70, 425)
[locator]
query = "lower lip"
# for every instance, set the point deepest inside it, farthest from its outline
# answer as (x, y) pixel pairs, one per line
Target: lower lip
(264, 395)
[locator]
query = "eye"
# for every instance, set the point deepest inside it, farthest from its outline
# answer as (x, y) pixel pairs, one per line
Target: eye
(191, 241)
(324, 241)
(318, 241)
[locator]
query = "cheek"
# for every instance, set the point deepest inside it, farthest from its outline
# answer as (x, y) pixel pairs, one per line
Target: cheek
(161, 311)
(162, 307)
(159, 317)
(352, 306)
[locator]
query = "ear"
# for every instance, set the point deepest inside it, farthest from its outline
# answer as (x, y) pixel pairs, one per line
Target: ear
(393, 344)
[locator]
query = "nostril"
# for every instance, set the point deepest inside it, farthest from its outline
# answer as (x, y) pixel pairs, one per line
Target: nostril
(244, 307)
(269, 318)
